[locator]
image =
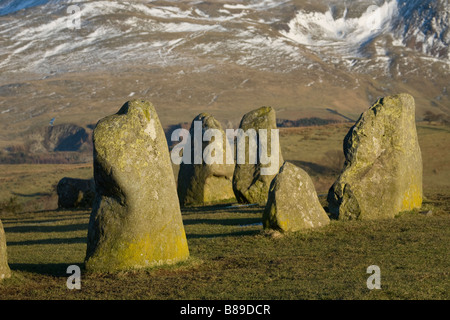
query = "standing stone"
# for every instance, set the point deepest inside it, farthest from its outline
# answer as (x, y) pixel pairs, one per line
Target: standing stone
(136, 219)
(382, 175)
(75, 193)
(211, 181)
(249, 184)
(293, 204)
(5, 272)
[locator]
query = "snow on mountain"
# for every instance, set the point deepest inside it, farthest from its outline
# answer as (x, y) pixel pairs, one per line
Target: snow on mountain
(291, 48)
(254, 33)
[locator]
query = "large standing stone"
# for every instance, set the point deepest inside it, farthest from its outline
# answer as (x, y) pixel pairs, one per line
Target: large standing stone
(249, 184)
(75, 193)
(211, 181)
(5, 272)
(382, 175)
(293, 204)
(136, 219)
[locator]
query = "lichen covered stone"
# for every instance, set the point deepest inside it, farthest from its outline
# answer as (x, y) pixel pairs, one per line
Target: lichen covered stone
(208, 182)
(5, 272)
(249, 184)
(136, 219)
(292, 203)
(382, 175)
(75, 193)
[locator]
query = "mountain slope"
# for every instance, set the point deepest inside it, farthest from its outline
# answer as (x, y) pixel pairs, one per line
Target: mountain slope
(225, 57)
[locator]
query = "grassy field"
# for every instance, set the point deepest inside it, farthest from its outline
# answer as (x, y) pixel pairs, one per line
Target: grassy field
(231, 256)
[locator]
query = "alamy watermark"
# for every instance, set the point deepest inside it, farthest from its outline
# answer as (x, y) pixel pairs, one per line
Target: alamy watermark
(74, 280)
(374, 281)
(74, 21)
(213, 153)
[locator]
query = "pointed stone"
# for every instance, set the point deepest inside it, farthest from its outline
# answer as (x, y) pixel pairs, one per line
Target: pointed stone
(136, 219)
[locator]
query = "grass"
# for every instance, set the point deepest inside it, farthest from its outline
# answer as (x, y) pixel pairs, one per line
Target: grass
(230, 255)
(232, 258)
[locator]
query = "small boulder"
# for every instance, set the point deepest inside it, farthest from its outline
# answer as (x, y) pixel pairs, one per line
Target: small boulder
(382, 175)
(211, 181)
(250, 183)
(75, 193)
(5, 272)
(293, 204)
(136, 218)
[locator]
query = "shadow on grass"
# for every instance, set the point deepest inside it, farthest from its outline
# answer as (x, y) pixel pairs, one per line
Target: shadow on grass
(224, 222)
(223, 235)
(234, 207)
(32, 195)
(313, 168)
(48, 241)
(48, 269)
(39, 228)
(37, 221)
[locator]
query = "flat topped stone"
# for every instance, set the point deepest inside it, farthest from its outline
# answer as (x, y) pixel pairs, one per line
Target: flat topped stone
(208, 182)
(136, 219)
(292, 203)
(382, 175)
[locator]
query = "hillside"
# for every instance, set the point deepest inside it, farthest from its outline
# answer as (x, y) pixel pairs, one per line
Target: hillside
(305, 58)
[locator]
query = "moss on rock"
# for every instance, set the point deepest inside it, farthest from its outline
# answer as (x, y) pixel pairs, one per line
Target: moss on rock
(292, 203)
(136, 219)
(5, 272)
(206, 183)
(382, 175)
(249, 185)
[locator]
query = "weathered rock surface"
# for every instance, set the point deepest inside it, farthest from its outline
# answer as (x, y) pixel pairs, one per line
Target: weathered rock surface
(382, 175)
(75, 193)
(249, 184)
(209, 182)
(136, 219)
(292, 203)
(5, 272)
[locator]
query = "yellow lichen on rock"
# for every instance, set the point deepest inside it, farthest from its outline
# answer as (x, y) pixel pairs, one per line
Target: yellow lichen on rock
(382, 175)
(136, 218)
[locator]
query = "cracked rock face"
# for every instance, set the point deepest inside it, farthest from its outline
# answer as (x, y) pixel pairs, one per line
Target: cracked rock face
(136, 219)
(382, 175)
(210, 181)
(250, 184)
(292, 203)
(5, 272)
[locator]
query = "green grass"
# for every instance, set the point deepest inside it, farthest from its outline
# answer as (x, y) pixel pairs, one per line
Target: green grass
(232, 258)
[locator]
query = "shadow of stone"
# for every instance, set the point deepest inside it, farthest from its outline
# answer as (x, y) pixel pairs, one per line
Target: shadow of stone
(223, 235)
(48, 241)
(235, 208)
(224, 222)
(55, 218)
(48, 269)
(31, 195)
(39, 228)
(313, 168)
